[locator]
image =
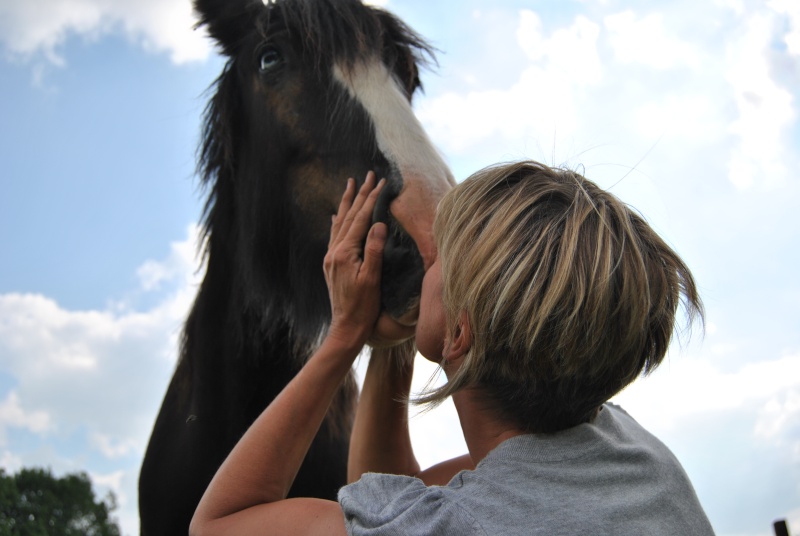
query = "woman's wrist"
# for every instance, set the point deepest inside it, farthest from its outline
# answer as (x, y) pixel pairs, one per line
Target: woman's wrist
(396, 363)
(342, 345)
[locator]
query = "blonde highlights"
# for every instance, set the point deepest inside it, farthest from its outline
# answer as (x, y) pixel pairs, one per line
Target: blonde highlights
(570, 294)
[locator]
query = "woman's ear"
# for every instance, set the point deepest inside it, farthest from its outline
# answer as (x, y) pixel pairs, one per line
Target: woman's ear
(459, 342)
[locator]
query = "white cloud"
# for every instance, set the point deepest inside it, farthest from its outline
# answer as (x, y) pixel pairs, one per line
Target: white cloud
(112, 449)
(791, 9)
(646, 41)
(737, 6)
(765, 108)
(12, 415)
(542, 100)
(694, 116)
(112, 480)
(779, 420)
(694, 386)
(572, 50)
(42, 26)
(10, 462)
(180, 265)
(714, 88)
(104, 371)
(115, 482)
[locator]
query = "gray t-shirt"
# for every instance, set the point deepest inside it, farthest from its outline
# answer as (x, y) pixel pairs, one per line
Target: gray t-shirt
(608, 477)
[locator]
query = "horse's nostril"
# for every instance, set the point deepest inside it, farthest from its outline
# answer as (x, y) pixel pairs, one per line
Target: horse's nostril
(409, 318)
(390, 191)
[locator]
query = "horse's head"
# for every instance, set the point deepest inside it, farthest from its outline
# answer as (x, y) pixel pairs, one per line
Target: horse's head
(314, 92)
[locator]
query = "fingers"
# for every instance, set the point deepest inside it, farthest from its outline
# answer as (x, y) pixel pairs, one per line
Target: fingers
(373, 251)
(352, 265)
(355, 212)
(361, 210)
(344, 207)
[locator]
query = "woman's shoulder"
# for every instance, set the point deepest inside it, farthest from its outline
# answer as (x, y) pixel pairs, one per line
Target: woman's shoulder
(380, 503)
(383, 487)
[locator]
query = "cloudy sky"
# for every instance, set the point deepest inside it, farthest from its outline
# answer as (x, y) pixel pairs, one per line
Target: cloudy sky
(686, 109)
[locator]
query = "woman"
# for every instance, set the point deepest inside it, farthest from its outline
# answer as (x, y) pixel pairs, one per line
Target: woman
(548, 297)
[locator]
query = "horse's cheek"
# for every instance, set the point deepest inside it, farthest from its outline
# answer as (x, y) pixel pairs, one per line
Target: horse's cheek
(315, 192)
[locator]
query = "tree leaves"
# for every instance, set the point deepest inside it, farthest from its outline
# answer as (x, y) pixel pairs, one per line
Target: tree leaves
(35, 503)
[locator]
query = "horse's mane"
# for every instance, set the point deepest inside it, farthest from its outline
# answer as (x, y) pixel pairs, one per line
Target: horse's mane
(341, 30)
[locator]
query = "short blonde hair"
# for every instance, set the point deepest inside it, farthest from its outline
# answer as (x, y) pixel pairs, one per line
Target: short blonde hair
(570, 295)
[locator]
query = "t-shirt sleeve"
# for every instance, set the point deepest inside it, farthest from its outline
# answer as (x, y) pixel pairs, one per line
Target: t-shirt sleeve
(383, 505)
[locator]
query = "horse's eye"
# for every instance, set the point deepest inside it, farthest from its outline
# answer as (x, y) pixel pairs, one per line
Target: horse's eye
(270, 58)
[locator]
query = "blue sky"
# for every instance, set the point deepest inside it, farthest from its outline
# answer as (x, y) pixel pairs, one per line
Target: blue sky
(687, 110)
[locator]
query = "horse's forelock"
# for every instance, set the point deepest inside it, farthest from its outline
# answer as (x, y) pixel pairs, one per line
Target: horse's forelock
(347, 31)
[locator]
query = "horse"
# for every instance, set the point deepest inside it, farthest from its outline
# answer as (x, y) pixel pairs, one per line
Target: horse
(312, 92)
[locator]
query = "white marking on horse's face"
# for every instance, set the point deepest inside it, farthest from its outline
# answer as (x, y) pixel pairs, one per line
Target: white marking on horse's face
(402, 140)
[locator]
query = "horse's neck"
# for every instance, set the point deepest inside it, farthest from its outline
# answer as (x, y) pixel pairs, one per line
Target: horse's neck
(226, 326)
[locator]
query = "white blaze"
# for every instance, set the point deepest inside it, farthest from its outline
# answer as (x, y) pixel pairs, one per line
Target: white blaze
(403, 141)
(399, 133)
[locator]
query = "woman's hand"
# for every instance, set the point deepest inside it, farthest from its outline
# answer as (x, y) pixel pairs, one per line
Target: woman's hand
(354, 278)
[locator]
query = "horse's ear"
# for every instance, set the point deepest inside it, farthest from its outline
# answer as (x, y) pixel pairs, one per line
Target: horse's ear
(228, 21)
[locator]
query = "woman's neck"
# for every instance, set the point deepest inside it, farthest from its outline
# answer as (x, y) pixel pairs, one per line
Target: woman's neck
(483, 430)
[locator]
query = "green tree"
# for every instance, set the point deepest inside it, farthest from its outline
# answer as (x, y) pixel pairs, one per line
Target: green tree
(35, 503)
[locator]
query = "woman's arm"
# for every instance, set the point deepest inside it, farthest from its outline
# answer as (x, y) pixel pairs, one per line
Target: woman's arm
(248, 493)
(380, 441)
